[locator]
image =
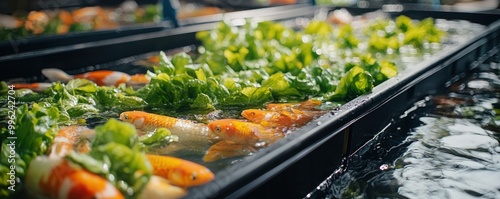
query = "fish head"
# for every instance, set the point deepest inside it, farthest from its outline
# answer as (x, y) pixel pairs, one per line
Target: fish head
(192, 175)
(223, 128)
(255, 115)
(136, 118)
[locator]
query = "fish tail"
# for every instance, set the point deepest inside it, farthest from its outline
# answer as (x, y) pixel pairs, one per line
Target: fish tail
(54, 74)
(37, 87)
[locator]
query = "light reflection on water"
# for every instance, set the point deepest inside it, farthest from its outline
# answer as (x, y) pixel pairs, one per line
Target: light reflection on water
(446, 148)
(451, 158)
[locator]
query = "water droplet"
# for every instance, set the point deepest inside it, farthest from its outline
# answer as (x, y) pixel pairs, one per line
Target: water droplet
(384, 167)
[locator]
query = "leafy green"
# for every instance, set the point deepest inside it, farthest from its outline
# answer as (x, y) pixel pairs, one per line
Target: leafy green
(386, 34)
(356, 82)
(280, 85)
(164, 65)
(116, 131)
(160, 137)
(28, 134)
(249, 96)
(81, 99)
(118, 156)
(180, 61)
(380, 71)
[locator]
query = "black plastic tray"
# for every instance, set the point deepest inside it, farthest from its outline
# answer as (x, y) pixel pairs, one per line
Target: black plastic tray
(292, 167)
(33, 43)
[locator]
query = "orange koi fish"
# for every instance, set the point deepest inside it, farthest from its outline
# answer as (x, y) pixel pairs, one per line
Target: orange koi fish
(100, 77)
(308, 105)
(180, 172)
(239, 138)
(192, 135)
(36, 22)
(71, 138)
(86, 14)
(57, 178)
(37, 87)
(241, 132)
(138, 80)
(280, 119)
(159, 187)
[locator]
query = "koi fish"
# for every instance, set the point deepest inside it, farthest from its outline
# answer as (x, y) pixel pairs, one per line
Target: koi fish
(100, 77)
(36, 22)
(308, 105)
(138, 80)
(37, 87)
(58, 178)
(192, 135)
(159, 187)
(86, 14)
(71, 138)
(241, 132)
(282, 119)
(239, 138)
(180, 172)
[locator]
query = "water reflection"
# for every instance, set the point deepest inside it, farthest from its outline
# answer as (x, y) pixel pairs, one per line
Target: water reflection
(446, 148)
(460, 160)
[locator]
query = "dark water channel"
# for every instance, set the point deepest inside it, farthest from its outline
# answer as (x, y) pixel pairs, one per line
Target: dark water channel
(446, 146)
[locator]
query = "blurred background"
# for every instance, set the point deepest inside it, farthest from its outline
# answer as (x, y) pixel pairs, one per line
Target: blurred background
(23, 18)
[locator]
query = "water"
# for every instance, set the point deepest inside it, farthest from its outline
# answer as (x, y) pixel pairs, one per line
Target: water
(446, 147)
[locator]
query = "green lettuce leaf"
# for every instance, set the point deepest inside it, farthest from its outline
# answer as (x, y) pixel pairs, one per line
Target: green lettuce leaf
(32, 132)
(356, 82)
(281, 86)
(249, 97)
(118, 156)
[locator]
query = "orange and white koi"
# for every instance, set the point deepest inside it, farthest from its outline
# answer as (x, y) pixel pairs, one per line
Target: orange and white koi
(138, 80)
(58, 178)
(180, 172)
(71, 138)
(10, 22)
(100, 77)
(193, 135)
(37, 87)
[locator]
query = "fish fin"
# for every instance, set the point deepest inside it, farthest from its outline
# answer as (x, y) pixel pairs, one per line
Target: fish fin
(224, 149)
(309, 105)
(54, 74)
(270, 135)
